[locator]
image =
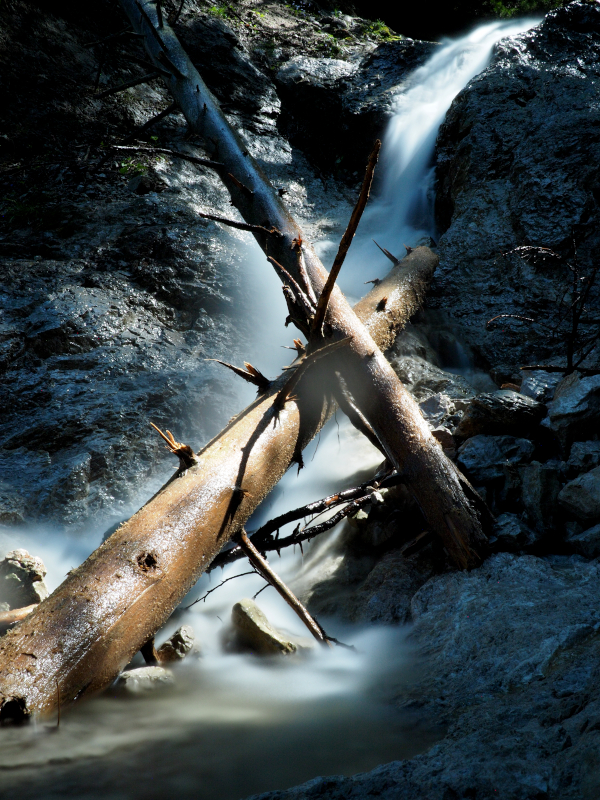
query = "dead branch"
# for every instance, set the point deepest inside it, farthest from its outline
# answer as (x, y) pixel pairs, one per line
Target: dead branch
(151, 151)
(250, 374)
(386, 253)
(242, 226)
(320, 313)
(260, 565)
(149, 76)
(152, 121)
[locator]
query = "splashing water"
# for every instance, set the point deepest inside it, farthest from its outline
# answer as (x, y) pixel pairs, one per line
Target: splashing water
(211, 735)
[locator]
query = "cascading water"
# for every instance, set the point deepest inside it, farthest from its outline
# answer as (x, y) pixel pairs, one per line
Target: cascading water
(316, 715)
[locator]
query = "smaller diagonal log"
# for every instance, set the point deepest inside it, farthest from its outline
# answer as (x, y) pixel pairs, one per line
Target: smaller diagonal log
(260, 565)
(151, 151)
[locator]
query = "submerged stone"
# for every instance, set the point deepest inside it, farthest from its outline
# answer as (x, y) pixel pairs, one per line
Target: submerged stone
(22, 579)
(254, 631)
(144, 680)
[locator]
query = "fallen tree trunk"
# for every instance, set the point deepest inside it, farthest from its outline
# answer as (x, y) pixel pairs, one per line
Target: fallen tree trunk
(86, 632)
(392, 415)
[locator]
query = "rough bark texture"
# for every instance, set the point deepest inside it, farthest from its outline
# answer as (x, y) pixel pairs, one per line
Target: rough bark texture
(83, 635)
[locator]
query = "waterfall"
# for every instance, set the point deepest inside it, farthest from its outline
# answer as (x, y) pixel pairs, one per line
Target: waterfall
(402, 211)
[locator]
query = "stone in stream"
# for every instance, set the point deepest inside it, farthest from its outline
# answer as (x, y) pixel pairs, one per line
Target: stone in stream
(498, 412)
(581, 497)
(252, 630)
(483, 457)
(22, 579)
(177, 646)
(144, 680)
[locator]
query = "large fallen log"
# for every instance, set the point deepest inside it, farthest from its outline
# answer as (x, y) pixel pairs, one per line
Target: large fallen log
(79, 639)
(391, 414)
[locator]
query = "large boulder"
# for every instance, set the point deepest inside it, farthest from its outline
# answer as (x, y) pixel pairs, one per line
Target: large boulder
(581, 497)
(517, 165)
(483, 457)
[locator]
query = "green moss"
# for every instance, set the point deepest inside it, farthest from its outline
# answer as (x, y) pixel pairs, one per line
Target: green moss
(519, 8)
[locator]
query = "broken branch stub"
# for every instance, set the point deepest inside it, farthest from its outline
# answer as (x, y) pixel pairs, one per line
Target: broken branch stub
(87, 631)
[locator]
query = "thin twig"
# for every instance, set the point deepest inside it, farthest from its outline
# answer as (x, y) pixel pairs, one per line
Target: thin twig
(15, 615)
(201, 162)
(242, 226)
(260, 565)
(214, 589)
(152, 121)
(149, 76)
(319, 318)
(174, 19)
(508, 316)
(185, 454)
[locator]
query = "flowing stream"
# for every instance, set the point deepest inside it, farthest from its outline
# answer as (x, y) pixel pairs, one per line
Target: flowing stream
(235, 724)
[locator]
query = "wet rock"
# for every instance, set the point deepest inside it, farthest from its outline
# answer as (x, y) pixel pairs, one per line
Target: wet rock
(509, 174)
(141, 184)
(177, 646)
(581, 497)
(385, 595)
(144, 680)
(483, 457)
(583, 457)
(22, 579)
(254, 631)
(541, 486)
(586, 543)
(507, 659)
(353, 97)
(424, 379)
(540, 385)
(498, 412)
(575, 411)
(512, 534)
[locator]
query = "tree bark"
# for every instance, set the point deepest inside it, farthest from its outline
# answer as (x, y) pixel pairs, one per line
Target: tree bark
(86, 632)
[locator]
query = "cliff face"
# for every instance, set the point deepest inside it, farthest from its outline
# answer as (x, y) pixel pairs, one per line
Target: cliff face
(517, 164)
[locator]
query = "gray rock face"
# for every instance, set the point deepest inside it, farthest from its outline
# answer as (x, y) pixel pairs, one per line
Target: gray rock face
(22, 579)
(516, 165)
(586, 543)
(541, 486)
(583, 457)
(512, 534)
(540, 385)
(483, 457)
(581, 497)
(507, 659)
(353, 98)
(575, 412)
(498, 412)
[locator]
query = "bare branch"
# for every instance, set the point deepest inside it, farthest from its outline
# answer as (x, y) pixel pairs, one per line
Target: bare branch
(201, 162)
(214, 589)
(150, 76)
(260, 565)
(187, 457)
(319, 318)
